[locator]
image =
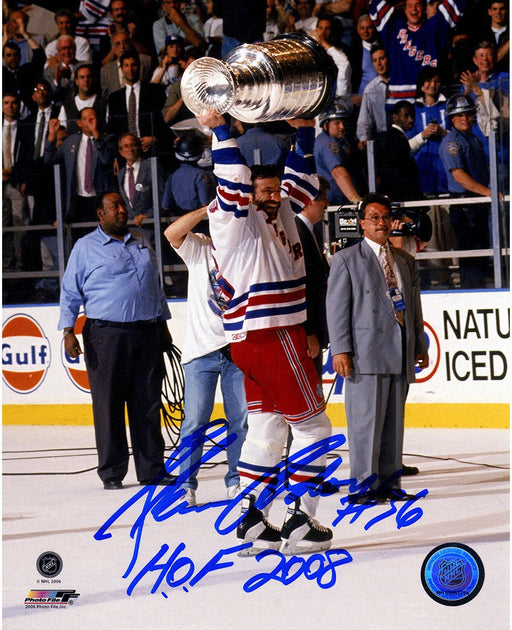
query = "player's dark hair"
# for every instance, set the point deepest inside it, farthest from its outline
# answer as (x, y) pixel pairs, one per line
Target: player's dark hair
(264, 171)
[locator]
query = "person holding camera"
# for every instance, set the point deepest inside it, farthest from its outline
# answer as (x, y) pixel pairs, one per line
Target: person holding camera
(410, 231)
(377, 338)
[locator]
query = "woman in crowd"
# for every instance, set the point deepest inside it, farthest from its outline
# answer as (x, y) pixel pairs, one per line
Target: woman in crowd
(430, 126)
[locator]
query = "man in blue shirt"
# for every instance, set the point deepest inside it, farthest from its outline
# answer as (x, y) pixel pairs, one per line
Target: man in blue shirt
(115, 277)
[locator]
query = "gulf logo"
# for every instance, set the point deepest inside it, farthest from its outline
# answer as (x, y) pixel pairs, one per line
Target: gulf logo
(75, 368)
(434, 355)
(26, 354)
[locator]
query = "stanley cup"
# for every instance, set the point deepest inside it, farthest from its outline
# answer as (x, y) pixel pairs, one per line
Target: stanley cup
(290, 76)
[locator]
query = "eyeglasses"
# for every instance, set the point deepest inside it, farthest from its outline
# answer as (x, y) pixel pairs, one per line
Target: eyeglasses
(375, 218)
(40, 89)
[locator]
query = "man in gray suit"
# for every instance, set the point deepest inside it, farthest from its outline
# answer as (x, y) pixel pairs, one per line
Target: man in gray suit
(376, 334)
(111, 77)
(135, 182)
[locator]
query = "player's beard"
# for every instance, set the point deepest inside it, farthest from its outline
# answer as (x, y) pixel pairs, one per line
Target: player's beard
(271, 208)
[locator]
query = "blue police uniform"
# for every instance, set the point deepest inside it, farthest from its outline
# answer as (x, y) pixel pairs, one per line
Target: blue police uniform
(255, 143)
(470, 223)
(329, 153)
(188, 188)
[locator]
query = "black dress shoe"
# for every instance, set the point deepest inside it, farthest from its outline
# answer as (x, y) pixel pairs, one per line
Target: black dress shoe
(408, 471)
(164, 480)
(326, 488)
(112, 484)
(395, 494)
(362, 498)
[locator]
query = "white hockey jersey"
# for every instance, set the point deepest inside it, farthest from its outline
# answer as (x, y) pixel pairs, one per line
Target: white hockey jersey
(260, 261)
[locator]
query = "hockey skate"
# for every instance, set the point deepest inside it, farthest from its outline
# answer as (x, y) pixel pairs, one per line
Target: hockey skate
(302, 534)
(255, 528)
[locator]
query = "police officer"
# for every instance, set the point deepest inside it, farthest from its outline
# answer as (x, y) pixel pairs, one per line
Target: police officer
(189, 186)
(332, 154)
(463, 158)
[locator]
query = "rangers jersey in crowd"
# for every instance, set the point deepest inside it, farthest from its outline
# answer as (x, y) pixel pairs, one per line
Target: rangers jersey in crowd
(411, 48)
(95, 21)
(260, 261)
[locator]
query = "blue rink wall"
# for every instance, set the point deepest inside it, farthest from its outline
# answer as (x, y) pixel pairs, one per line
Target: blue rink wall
(467, 385)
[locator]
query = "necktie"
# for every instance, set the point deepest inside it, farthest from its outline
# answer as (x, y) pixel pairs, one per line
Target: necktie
(131, 184)
(88, 182)
(390, 278)
(7, 147)
(132, 113)
(40, 135)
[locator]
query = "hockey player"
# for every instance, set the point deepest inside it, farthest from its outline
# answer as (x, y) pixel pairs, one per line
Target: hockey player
(259, 256)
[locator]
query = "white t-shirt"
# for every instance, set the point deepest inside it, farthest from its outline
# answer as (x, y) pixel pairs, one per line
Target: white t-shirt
(204, 332)
(213, 27)
(307, 25)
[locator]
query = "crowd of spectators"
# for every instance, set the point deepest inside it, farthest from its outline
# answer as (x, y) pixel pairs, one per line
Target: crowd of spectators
(97, 89)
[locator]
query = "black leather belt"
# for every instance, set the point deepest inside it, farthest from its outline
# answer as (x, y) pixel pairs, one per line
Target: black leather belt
(103, 323)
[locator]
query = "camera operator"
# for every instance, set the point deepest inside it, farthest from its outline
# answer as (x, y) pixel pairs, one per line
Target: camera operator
(410, 230)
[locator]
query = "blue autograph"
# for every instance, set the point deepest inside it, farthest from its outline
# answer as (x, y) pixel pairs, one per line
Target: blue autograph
(179, 570)
(164, 502)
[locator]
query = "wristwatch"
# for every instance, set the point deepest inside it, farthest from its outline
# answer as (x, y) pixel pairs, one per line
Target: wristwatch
(65, 333)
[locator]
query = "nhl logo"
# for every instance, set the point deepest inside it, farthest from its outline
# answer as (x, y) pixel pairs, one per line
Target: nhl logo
(26, 354)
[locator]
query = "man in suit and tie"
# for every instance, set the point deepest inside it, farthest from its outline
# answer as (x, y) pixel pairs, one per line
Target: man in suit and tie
(317, 272)
(135, 182)
(39, 175)
(88, 159)
(111, 76)
(14, 201)
(35, 126)
(376, 335)
(136, 108)
(397, 171)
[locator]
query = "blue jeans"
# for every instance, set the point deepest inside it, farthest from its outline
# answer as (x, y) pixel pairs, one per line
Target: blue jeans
(201, 376)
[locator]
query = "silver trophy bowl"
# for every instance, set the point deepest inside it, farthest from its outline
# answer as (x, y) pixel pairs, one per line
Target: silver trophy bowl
(290, 76)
